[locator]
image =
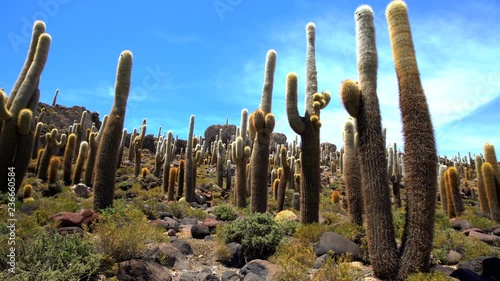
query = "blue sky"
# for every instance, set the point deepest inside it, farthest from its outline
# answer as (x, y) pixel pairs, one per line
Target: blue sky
(206, 58)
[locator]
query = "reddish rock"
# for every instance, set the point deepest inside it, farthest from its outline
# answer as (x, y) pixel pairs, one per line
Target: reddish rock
(210, 223)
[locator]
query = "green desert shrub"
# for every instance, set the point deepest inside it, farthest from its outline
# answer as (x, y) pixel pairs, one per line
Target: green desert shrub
(294, 259)
(338, 269)
(50, 256)
(435, 276)
(225, 212)
(124, 233)
(258, 233)
(310, 232)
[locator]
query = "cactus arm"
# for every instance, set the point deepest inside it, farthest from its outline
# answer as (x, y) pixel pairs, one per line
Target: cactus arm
(38, 29)
(4, 112)
(294, 119)
(266, 102)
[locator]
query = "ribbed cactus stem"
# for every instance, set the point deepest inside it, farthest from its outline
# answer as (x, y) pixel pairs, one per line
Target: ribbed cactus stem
(442, 189)
(190, 181)
(491, 190)
(91, 158)
(82, 155)
(24, 95)
(308, 127)
(481, 191)
(419, 143)
(120, 149)
(107, 152)
(68, 158)
(352, 176)
(167, 161)
(284, 178)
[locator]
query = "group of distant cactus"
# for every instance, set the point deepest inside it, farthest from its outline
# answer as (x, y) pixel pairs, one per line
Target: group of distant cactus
(368, 167)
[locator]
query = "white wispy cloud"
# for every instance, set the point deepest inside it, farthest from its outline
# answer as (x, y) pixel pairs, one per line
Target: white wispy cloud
(455, 62)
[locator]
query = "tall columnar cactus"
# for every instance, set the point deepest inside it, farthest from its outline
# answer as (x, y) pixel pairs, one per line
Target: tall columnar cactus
(491, 190)
(107, 152)
(137, 160)
(180, 179)
(308, 127)
(284, 178)
(171, 184)
(120, 149)
(53, 186)
(420, 147)
(352, 176)
(68, 158)
(49, 150)
(189, 180)
(454, 188)
(491, 157)
(449, 195)
(361, 102)
(80, 161)
(481, 191)
(240, 154)
(91, 158)
(36, 140)
(262, 125)
(442, 189)
(131, 145)
(221, 153)
(395, 176)
(15, 144)
(166, 164)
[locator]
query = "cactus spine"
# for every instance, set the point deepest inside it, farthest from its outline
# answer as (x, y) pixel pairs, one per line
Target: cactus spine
(308, 127)
(107, 152)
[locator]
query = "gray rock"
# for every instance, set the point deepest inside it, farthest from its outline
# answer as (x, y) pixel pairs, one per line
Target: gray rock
(453, 257)
(183, 246)
(230, 276)
(320, 261)
(199, 231)
(486, 238)
(331, 241)
(141, 270)
(81, 190)
(169, 256)
(189, 221)
(261, 268)
(460, 224)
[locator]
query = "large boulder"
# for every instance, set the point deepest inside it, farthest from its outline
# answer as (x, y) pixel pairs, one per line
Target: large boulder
(213, 130)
